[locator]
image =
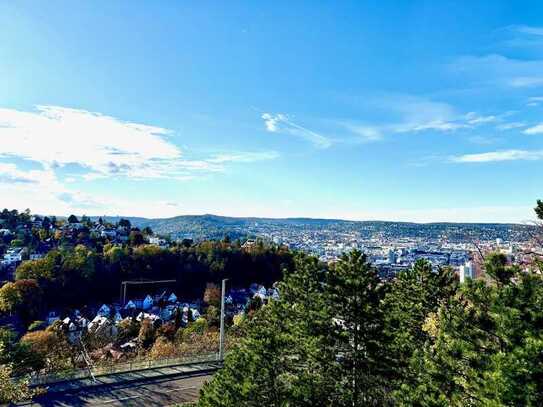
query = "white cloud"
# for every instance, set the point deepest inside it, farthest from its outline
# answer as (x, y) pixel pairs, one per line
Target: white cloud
(526, 81)
(103, 145)
(418, 114)
(39, 189)
(457, 122)
(538, 129)
(10, 174)
(505, 155)
(438, 125)
(97, 146)
(281, 123)
(525, 29)
(497, 69)
(482, 140)
(271, 121)
(364, 133)
(399, 113)
(475, 119)
(410, 113)
(511, 125)
(243, 157)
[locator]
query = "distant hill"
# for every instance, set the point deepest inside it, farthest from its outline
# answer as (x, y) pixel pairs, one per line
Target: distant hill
(216, 227)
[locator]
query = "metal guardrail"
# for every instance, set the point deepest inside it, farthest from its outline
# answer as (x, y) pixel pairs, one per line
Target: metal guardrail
(117, 368)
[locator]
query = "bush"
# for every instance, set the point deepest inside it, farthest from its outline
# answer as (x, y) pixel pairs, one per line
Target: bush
(36, 326)
(146, 334)
(167, 331)
(163, 348)
(197, 327)
(12, 390)
(128, 329)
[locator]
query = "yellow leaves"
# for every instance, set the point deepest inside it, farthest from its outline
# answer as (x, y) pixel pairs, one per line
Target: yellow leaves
(12, 390)
(431, 325)
(163, 348)
(238, 319)
(41, 342)
(9, 297)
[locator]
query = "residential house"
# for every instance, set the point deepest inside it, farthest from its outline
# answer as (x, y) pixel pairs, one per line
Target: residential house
(148, 302)
(158, 241)
(103, 327)
(52, 317)
(108, 233)
(155, 319)
(104, 311)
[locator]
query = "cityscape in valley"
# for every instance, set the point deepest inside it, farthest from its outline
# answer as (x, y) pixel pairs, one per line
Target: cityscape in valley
(62, 274)
(272, 204)
(391, 246)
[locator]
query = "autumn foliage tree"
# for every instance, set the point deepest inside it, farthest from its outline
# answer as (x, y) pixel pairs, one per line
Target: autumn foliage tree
(14, 389)
(23, 297)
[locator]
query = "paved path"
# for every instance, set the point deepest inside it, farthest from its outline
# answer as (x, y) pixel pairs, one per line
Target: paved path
(134, 375)
(147, 387)
(149, 392)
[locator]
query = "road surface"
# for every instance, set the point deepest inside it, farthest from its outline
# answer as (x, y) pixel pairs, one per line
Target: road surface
(153, 392)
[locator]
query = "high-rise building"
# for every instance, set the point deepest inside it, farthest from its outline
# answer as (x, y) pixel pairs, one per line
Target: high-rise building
(391, 257)
(466, 271)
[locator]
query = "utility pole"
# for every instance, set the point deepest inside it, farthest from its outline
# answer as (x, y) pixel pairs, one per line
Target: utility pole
(221, 344)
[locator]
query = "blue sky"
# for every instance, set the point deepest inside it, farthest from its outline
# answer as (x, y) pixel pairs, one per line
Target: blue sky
(395, 110)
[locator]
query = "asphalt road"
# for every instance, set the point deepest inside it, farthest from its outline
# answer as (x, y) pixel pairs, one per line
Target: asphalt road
(157, 392)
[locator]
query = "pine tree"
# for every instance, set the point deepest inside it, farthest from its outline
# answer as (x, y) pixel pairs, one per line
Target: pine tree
(413, 295)
(486, 344)
(286, 356)
(356, 293)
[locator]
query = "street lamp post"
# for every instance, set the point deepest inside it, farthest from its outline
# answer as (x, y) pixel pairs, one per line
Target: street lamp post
(221, 343)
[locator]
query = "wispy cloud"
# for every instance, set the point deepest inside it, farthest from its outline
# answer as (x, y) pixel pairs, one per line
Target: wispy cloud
(511, 125)
(272, 121)
(281, 123)
(474, 119)
(10, 174)
(495, 69)
(436, 125)
(398, 113)
(413, 114)
(78, 199)
(28, 187)
(56, 138)
(363, 133)
(526, 81)
(103, 146)
(505, 155)
(534, 101)
(503, 69)
(538, 129)
(483, 140)
(525, 29)
(243, 157)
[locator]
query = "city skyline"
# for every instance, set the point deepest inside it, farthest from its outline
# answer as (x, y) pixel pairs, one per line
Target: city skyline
(393, 111)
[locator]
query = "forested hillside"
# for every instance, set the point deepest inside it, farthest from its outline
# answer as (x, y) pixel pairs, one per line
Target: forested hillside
(216, 227)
